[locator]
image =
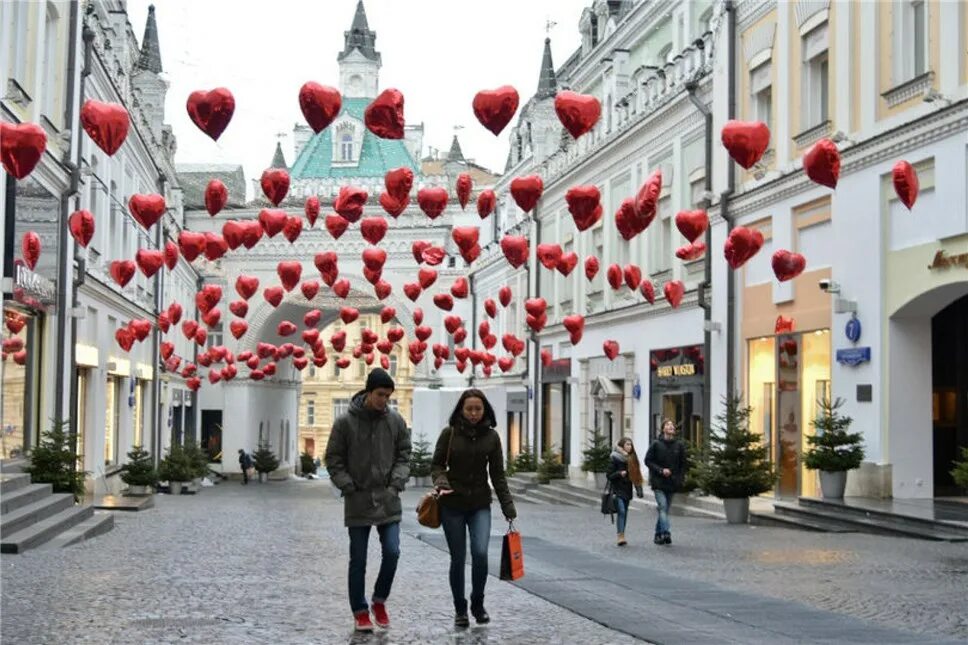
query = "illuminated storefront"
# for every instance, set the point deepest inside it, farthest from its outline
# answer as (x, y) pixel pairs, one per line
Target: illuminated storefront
(677, 391)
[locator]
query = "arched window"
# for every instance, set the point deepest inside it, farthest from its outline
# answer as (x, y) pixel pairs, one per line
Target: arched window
(346, 147)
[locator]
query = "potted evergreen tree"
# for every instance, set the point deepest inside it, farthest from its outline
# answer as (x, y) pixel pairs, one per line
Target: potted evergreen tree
(960, 472)
(53, 462)
(265, 461)
(598, 455)
(139, 473)
(175, 468)
(550, 466)
(525, 461)
(736, 466)
(833, 450)
(198, 462)
(307, 465)
(421, 462)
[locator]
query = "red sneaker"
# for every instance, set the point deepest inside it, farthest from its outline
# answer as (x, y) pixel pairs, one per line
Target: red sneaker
(380, 615)
(363, 623)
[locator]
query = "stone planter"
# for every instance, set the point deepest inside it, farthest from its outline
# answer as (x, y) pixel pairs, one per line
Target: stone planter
(737, 510)
(175, 487)
(833, 483)
(600, 479)
(138, 491)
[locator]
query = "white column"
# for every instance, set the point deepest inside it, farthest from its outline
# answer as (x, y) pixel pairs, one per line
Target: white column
(676, 199)
(844, 66)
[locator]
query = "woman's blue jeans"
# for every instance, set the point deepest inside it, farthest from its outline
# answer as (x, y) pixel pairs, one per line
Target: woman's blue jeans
(622, 509)
(457, 524)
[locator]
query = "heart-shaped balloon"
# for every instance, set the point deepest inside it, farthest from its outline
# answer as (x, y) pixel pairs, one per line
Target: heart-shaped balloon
(906, 183)
(326, 262)
(444, 301)
(170, 254)
(504, 295)
(426, 277)
(577, 112)
(463, 187)
(374, 258)
(216, 196)
(30, 249)
(490, 307)
(189, 328)
(486, 201)
(692, 224)
(393, 206)
(567, 263)
(632, 275)
(174, 312)
(341, 288)
(320, 104)
(147, 209)
(452, 323)
(432, 201)
(648, 291)
(239, 307)
(466, 237)
(81, 225)
(251, 233)
(246, 285)
(537, 323)
(15, 322)
(460, 287)
(647, 200)
(549, 254)
(336, 225)
(215, 246)
(373, 229)
(149, 261)
(310, 336)
(592, 266)
(399, 183)
(626, 221)
(584, 204)
(422, 333)
(495, 108)
(418, 316)
(273, 295)
(787, 265)
(164, 322)
(384, 116)
(372, 275)
(300, 363)
(289, 272)
(614, 276)
(348, 314)
(575, 324)
(433, 255)
(395, 334)
(211, 111)
(417, 248)
(21, 147)
(212, 294)
(312, 317)
(122, 271)
(292, 229)
(309, 289)
(610, 347)
(536, 306)
(125, 338)
(546, 357)
(746, 141)
(233, 233)
(285, 328)
(387, 314)
(166, 350)
(382, 289)
(690, 252)
(106, 123)
(312, 210)
(515, 248)
(202, 303)
(483, 330)
(141, 328)
(741, 244)
(505, 363)
(526, 191)
(384, 346)
(212, 318)
(275, 184)
(822, 163)
(272, 220)
(674, 290)
(350, 202)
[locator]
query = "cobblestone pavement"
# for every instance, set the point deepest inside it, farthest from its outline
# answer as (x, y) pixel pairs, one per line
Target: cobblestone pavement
(256, 564)
(916, 585)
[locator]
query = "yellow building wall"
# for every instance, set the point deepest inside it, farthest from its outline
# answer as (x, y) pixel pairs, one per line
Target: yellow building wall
(885, 36)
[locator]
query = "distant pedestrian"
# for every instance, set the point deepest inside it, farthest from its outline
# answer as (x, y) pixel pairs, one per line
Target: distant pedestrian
(623, 475)
(468, 450)
(666, 461)
(368, 459)
(245, 463)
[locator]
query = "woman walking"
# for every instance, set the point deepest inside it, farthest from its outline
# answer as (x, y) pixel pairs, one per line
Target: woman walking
(469, 449)
(666, 461)
(623, 474)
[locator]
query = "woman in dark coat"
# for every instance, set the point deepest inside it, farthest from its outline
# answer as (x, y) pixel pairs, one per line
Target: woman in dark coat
(623, 474)
(469, 449)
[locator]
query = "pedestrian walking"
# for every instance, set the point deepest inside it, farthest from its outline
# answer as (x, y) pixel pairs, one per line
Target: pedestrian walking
(368, 459)
(245, 463)
(623, 475)
(666, 461)
(468, 450)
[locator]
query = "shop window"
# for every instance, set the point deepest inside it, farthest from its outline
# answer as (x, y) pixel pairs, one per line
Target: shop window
(81, 417)
(762, 382)
(139, 409)
(17, 383)
(112, 419)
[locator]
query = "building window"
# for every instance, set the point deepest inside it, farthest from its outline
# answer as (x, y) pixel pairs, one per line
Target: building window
(393, 366)
(50, 62)
(214, 336)
(336, 370)
(919, 12)
(19, 49)
(311, 412)
(340, 407)
(394, 405)
(346, 147)
(761, 90)
(312, 371)
(815, 96)
(706, 21)
(665, 55)
(660, 234)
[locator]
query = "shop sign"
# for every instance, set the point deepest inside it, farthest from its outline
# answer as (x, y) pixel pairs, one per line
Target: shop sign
(853, 356)
(853, 329)
(32, 289)
(517, 401)
(942, 261)
(558, 371)
(686, 369)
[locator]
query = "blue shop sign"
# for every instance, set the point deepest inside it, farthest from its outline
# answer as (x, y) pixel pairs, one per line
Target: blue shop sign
(852, 330)
(854, 356)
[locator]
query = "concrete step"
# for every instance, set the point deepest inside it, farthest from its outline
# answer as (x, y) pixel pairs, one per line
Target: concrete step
(23, 496)
(874, 525)
(682, 505)
(10, 482)
(577, 494)
(14, 465)
(772, 518)
(98, 524)
(45, 529)
(525, 478)
(912, 521)
(550, 497)
(21, 518)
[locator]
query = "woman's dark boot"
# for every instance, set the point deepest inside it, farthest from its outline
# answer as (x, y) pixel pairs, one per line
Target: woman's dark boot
(461, 620)
(479, 613)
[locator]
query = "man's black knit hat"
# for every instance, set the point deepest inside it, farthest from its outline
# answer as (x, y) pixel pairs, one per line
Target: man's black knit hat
(379, 378)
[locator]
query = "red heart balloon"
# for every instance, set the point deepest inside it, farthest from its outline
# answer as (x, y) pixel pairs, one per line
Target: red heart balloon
(164, 322)
(466, 237)
(289, 273)
(171, 255)
(167, 349)
(452, 323)
(233, 233)
(504, 295)
(341, 287)
(526, 191)
(343, 363)
(690, 252)
(692, 224)
(627, 223)
(393, 206)
(239, 307)
(614, 276)
(300, 363)
(246, 285)
(312, 317)
(336, 225)
(471, 254)
(463, 189)
(577, 112)
(515, 249)
(549, 255)
(374, 258)
(567, 263)
(372, 275)
(81, 225)
(149, 261)
(310, 336)
(257, 375)
(211, 111)
(272, 220)
(382, 289)
(15, 322)
(125, 338)
(193, 383)
(387, 314)
(486, 201)
(212, 294)
(215, 246)
(741, 245)
(490, 307)
(433, 255)
(174, 312)
(106, 123)
(216, 196)
(546, 357)
(141, 328)
(312, 210)
(674, 290)
(610, 347)
(285, 328)
(251, 233)
(189, 327)
(537, 323)
(418, 316)
(399, 183)
(484, 329)
(348, 314)
(591, 267)
(906, 183)
(273, 295)
(505, 363)
(147, 209)
(275, 184)
(212, 318)
(214, 376)
(822, 163)
(648, 291)
(460, 288)
(292, 229)
(201, 302)
(444, 301)
(21, 147)
(320, 105)
(309, 289)
(536, 306)
(395, 334)
(426, 277)
(422, 333)
(384, 116)
(584, 206)
(30, 249)
(746, 141)
(412, 290)
(373, 229)
(326, 262)
(384, 346)
(432, 201)
(495, 108)
(122, 271)
(417, 248)
(787, 265)
(633, 276)
(350, 202)
(575, 324)
(647, 200)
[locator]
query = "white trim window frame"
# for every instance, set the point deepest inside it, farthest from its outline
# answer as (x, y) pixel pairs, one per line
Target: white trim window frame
(815, 81)
(909, 40)
(761, 92)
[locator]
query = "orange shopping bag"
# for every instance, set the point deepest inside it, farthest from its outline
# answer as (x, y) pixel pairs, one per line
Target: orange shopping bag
(512, 556)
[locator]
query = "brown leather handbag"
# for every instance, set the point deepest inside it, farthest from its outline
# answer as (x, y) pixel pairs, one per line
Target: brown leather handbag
(428, 510)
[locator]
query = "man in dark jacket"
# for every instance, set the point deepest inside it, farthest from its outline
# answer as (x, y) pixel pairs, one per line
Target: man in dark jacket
(666, 461)
(245, 462)
(368, 459)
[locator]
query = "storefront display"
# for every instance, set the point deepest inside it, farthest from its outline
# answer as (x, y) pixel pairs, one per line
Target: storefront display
(677, 391)
(556, 408)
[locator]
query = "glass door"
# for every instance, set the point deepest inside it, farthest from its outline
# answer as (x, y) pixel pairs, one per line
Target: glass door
(789, 419)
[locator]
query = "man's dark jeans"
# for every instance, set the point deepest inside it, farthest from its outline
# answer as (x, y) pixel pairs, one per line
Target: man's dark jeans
(359, 539)
(456, 525)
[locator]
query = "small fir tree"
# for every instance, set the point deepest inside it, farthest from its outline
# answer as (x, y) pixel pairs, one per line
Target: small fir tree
(197, 458)
(265, 460)
(140, 470)
(421, 458)
(960, 472)
(691, 480)
(833, 448)
(525, 461)
(53, 462)
(598, 454)
(307, 464)
(550, 466)
(736, 464)
(176, 466)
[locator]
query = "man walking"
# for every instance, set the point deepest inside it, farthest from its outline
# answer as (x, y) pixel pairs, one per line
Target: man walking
(368, 458)
(666, 461)
(245, 463)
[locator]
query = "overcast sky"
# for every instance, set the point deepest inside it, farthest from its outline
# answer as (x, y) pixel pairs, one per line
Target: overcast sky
(439, 53)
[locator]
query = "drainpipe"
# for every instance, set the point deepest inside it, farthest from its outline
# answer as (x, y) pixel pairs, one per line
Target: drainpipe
(473, 333)
(724, 203)
(536, 343)
(155, 361)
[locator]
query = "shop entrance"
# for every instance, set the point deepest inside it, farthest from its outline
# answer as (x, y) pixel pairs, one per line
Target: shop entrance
(608, 413)
(949, 356)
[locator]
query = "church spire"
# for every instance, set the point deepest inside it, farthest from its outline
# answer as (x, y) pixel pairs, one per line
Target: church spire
(547, 81)
(455, 154)
(360, 37)
(278, 159)
(150, 58)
